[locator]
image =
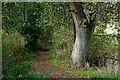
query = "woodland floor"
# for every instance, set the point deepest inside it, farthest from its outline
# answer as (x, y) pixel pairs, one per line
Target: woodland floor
(42, 64)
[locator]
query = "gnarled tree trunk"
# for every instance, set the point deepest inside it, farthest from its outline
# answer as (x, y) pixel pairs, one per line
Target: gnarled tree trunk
(84, 32)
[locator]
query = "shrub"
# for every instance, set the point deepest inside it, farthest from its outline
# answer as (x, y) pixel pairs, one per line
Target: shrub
(101, 48)
(15, 57)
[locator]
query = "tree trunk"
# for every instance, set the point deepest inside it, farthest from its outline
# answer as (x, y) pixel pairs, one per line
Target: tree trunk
(84, 32)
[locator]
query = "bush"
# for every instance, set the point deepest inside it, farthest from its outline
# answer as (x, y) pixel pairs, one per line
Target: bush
(15, 57)
(62, 39)
(101, 48)
(17, 71)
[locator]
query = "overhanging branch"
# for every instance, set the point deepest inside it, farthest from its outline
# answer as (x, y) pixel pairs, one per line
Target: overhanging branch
(108, 35)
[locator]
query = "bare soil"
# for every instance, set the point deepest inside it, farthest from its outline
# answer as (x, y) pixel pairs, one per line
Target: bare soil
(42, 64)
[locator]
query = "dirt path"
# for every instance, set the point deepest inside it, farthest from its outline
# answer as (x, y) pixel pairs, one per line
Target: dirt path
(43, 64)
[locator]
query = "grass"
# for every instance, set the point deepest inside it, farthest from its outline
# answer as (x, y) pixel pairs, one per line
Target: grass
(59, 62)
(59, 59)
(94, 73)
(62, 60)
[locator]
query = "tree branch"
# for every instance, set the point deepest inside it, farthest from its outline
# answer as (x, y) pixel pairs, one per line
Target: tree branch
(78, 9)
(99, 9)
(109, 35)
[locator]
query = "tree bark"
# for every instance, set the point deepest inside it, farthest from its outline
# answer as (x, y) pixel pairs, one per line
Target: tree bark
(84, 32)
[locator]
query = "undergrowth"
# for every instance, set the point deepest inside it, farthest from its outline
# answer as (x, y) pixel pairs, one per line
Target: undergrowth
(59, 58)
(92, 74)
(16, 59)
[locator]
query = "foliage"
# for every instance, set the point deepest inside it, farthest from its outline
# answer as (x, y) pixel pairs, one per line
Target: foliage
(62, 36)
(12, 16)
(104, 13)
(29, 21)
(31, 29)
(101, 48)
(15, 57)
(13, 47)
(21, 70)
(24, 24)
